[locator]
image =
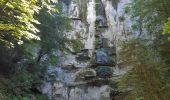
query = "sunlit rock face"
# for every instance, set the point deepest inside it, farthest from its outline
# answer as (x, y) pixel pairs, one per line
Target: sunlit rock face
(89, 68)
(91, 18)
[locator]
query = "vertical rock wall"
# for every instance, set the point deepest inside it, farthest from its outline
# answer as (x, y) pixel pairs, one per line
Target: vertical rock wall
(91, 18)
(89, 71)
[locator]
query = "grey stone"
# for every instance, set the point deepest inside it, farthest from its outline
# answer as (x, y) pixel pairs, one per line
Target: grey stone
(102, 57)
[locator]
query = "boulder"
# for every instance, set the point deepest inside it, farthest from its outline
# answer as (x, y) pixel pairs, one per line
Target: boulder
(85, 74)
(104, 71)
(102, 57)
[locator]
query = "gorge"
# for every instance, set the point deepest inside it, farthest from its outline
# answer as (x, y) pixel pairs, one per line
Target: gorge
(84, 49)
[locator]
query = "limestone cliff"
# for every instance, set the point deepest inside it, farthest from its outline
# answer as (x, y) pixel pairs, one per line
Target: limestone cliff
(91, 67)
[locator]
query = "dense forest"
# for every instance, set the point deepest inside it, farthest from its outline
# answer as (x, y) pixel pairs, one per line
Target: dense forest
(32, 30)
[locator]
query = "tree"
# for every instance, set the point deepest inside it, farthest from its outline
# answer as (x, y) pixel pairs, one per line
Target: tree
(26, 26)
(151, 13)
(144, 76)
(52, 28)
(149, 61)
(166, 29)
(17, 20)
(17, 25)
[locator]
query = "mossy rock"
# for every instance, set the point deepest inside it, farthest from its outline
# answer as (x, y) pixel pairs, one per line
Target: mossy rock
(85, 74)
(82, 57)
(98, 82)
(104, 71)
(98, 42)
(105, 57)
(113, 84)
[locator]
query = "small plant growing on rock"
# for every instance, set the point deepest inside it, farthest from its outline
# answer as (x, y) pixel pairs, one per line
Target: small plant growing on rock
(76, 45)
(122, 18)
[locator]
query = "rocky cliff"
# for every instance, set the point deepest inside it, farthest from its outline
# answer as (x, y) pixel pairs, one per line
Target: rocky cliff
(91, 67)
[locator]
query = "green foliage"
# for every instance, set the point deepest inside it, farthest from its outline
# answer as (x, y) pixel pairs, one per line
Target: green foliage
(144, 75)
(164, 49)
(23, 79)
(41, 97)
(76, 44)
(127, 9)
(17, 20)
(20, 85)
(52, 29)
(150, 14)
(30, 31)
(166, 29)
(147, 62)
(97, 42)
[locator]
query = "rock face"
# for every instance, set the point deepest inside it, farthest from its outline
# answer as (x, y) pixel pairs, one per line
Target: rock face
(86, 72)
(81, 93)
(103, 58)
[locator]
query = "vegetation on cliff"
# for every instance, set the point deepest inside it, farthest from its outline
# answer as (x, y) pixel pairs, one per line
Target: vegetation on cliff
(30, 31)
(147, 55)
